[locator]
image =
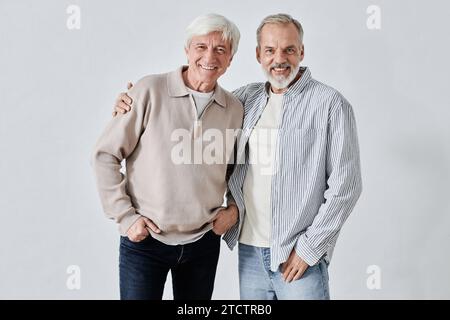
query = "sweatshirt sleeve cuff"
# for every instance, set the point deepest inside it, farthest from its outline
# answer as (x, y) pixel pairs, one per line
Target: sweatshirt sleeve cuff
(306, 252)
(127, 221)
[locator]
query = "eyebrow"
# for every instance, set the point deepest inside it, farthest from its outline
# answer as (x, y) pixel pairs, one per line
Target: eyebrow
(205, 44)
(288, 47)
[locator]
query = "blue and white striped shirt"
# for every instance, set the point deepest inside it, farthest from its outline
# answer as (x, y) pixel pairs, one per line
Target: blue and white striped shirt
(318, 176)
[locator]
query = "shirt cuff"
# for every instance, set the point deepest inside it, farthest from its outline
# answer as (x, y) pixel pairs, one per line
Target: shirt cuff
(306, 252)
(230, 200)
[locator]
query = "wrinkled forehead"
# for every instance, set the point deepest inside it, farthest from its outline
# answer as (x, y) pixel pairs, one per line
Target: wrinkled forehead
(215, 38)
(280, 34)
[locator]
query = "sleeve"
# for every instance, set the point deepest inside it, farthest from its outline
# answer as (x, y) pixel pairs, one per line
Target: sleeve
(344, 184)
(115, 144)
(230, 169)
(241, 93)
(245, 92)
(233, 161)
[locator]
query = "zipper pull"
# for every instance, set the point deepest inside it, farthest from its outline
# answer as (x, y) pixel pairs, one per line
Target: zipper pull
(197, 129)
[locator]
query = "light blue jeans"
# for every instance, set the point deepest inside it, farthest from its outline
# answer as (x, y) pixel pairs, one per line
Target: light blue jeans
(258, 282)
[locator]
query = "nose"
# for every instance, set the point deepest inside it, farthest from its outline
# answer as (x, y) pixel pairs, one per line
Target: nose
(209, 55)
(279, 57)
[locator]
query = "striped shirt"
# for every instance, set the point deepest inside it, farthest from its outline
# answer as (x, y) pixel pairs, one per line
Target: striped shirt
(318, 177)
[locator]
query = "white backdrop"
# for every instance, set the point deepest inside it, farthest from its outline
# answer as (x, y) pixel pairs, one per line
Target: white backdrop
(58, 84)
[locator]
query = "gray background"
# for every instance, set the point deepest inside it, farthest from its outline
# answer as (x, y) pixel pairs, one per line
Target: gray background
(57, 91)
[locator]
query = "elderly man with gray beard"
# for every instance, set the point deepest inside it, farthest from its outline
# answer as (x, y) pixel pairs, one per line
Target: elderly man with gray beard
(292, 207)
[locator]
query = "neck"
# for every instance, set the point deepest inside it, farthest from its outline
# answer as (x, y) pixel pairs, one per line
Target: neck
(282, 90)
(192, 83)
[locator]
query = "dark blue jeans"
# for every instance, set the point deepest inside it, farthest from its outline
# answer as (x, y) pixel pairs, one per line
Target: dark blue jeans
(144, 266)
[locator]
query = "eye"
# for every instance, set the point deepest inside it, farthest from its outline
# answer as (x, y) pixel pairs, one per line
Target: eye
(269, 51)
(290, 50)
(220, 50)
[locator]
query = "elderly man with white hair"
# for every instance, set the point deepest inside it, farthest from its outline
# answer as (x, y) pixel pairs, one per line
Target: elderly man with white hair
(170, 214)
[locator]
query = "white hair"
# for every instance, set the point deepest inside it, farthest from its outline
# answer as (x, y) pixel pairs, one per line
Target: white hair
(212, 22)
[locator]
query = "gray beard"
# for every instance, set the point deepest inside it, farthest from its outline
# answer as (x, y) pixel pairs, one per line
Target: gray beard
(283, 82)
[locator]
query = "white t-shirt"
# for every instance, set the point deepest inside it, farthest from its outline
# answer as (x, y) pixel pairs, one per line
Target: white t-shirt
(201, 99)
(256, 227)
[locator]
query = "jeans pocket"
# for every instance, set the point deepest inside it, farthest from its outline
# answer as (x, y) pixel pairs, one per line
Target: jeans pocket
(125, 241)
(324, 267)
(322, 260)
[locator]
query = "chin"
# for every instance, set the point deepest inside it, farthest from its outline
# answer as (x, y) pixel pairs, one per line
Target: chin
(209, 79)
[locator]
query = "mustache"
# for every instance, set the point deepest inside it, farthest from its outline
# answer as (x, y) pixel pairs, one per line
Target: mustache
(281, 65)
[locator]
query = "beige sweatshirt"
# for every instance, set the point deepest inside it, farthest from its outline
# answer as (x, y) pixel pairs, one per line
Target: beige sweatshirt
(167, 178)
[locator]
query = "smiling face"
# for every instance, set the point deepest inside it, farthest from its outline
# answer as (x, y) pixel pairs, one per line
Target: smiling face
(280, 52)
(209, 56)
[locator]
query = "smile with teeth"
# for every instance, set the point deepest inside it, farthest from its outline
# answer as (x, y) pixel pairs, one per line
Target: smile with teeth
(280, 69)
(207, 67)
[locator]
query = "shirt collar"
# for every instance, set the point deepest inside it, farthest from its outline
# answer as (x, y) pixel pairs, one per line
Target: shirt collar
(177, 88)
(297, 87)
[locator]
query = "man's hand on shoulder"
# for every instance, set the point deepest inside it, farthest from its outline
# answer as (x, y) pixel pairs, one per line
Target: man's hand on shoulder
(123, 102)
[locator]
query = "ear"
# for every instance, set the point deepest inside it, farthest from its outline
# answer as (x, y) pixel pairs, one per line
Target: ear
(186, 51)
(302, 52)
(258, 54)
(229, 62)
